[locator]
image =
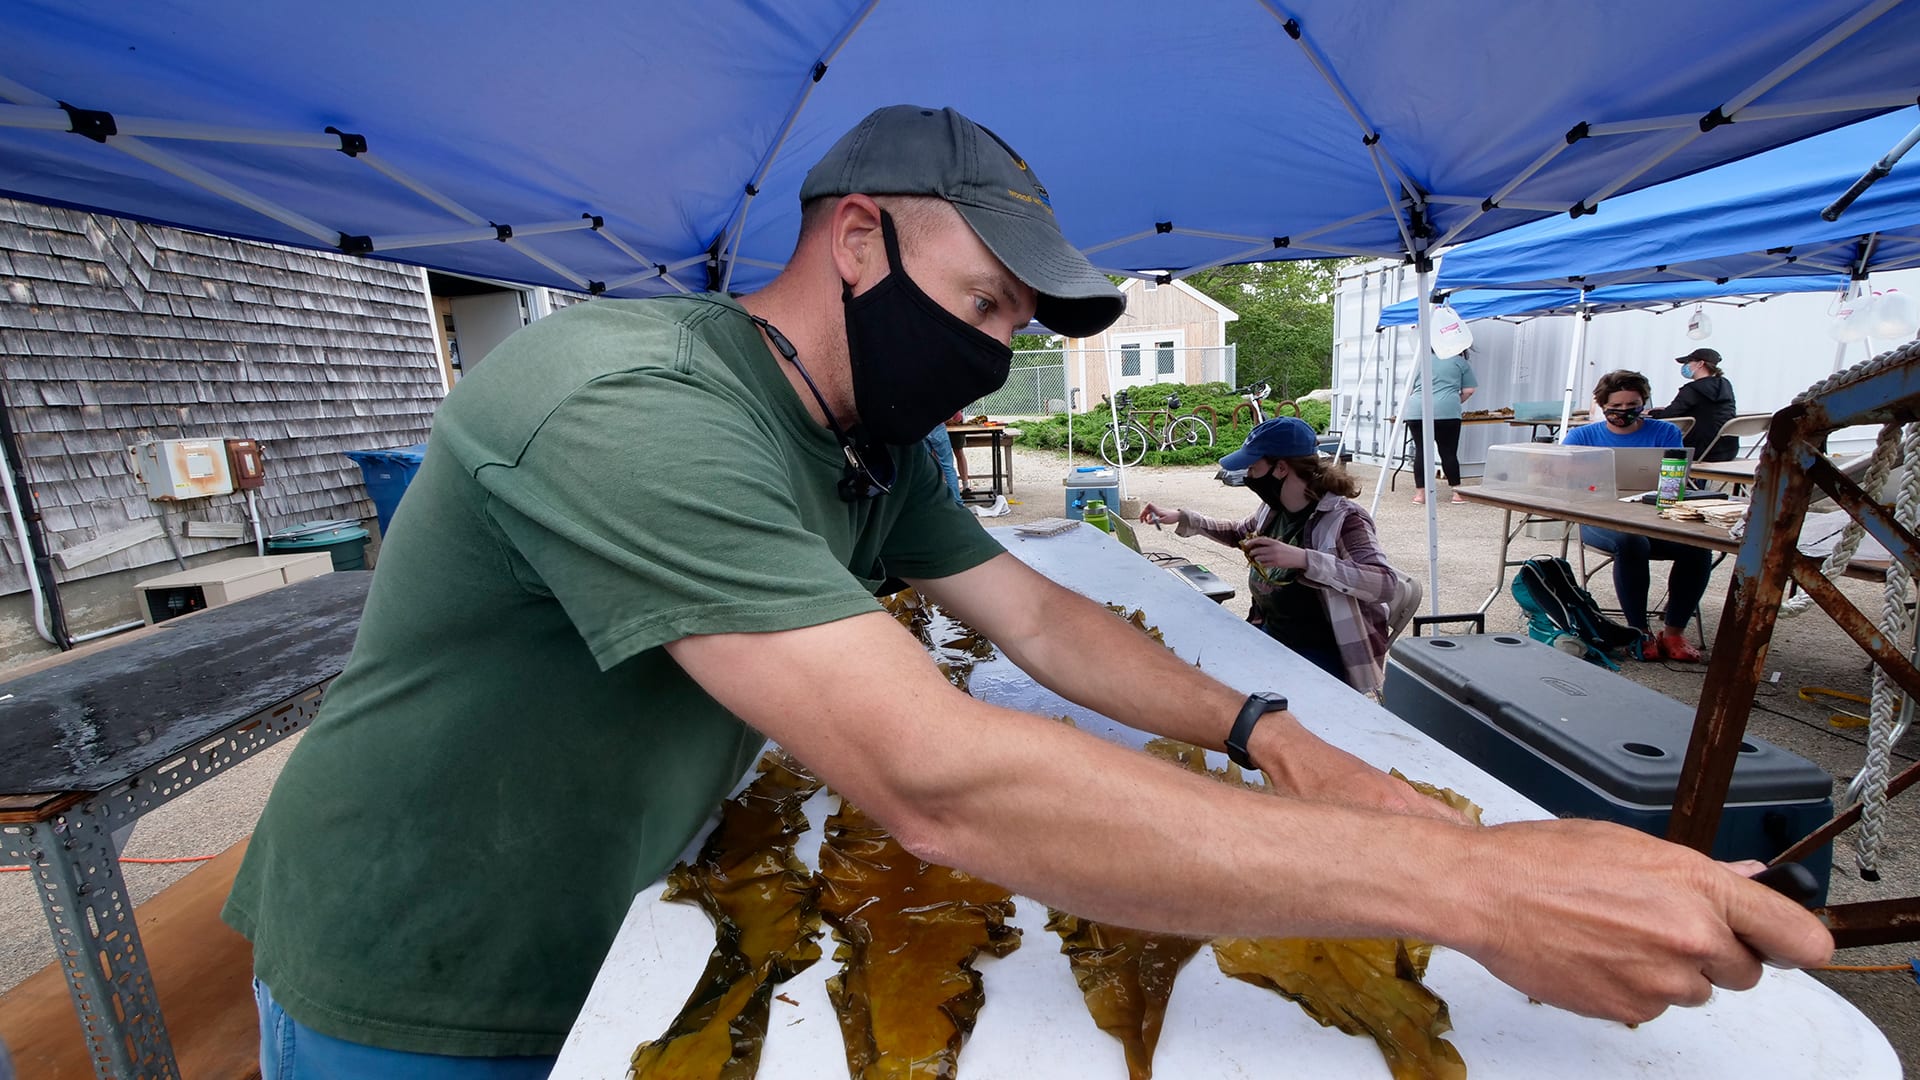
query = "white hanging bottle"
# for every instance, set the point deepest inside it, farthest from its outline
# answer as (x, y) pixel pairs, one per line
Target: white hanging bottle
(1894, 317)
(1450, 334)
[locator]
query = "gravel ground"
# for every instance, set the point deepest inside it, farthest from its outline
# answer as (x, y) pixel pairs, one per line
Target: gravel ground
(1809, 651)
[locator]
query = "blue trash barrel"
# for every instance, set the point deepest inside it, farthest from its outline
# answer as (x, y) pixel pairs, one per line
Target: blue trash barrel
(388, 472)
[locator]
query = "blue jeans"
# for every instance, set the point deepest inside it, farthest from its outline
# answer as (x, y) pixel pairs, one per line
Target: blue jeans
(940, 445)
(1632, 556)
(290, 1050)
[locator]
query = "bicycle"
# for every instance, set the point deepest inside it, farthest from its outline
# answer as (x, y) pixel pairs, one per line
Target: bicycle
(1129, 442)
(1254, 394)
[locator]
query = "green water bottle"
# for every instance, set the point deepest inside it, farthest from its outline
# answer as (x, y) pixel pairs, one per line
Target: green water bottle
(1096, 515)
(1673, 477)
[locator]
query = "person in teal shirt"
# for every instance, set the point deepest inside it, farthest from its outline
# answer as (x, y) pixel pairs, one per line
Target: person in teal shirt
(1453, 384)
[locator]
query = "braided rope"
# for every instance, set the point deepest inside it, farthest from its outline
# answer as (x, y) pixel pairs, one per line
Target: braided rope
(1895, 626)
(1892, 358)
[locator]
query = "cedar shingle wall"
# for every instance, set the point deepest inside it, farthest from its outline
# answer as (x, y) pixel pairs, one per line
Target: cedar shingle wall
(113, 333)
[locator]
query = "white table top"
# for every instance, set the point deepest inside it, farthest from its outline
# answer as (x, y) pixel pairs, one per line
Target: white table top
(1034, 1023)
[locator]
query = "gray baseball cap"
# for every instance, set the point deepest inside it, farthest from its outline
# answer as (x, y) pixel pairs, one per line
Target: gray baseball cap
(908, 150)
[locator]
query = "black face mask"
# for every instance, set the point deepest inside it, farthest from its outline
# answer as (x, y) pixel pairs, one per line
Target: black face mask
(1622, 417)
(914, 363)
(1268, 488)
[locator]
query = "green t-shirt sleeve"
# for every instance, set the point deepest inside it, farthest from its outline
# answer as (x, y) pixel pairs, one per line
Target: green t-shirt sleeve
(1467, 379)
(653, 509)
(934, 537)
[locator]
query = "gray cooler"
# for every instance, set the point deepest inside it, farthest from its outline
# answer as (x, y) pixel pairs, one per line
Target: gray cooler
(1586, 742)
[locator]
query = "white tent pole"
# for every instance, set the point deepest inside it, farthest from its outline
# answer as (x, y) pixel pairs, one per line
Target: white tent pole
(730, 249)
(1113, 417)
(1840, 350)
(1576, 359)
(1730, 110)
(635, 254)
(477, 233)
(1392, 451)
(1429, 458)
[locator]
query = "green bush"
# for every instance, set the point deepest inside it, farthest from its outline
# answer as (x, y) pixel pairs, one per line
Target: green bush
(1089, 427)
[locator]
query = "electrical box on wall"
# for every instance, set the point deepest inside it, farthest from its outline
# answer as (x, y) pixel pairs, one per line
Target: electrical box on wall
(175, 469)
(249, 467)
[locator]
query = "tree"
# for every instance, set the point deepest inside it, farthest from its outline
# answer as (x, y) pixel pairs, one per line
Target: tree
(1285, 331)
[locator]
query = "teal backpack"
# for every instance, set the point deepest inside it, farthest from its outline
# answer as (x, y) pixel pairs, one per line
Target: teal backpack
(1565, 616)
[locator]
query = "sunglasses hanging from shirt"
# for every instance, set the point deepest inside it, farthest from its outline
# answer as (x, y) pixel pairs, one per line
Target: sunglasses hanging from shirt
(869, 470)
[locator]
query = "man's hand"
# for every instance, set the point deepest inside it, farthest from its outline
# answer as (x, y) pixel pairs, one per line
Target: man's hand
(1274, 554)
(1612, 923)
(1298, 763)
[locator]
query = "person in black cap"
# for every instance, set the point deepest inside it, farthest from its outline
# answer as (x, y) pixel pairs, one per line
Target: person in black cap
(1706, 396)
(646, 538)
(1319, 582)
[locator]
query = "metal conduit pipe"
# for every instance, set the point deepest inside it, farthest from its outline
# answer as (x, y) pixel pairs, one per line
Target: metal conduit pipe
(48, 619)
(19, 521)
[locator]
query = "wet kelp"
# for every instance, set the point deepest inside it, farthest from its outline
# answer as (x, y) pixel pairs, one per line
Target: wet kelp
(907, 994)
(765, 907)
(1362, 987)
(954, 647)
(1126, 976)
(1366, 987)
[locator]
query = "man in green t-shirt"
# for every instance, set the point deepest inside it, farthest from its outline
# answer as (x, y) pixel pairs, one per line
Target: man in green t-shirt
(646, 538)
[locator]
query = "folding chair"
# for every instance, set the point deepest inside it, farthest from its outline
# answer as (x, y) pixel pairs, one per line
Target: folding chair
(1741, 426)
(1406, 601)
(1588, 574)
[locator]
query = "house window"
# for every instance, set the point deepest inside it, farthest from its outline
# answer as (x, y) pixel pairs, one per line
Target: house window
(1163, 357)
(1130, 361)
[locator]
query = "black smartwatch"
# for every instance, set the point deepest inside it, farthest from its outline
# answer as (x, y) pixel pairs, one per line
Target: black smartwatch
(1257, 706)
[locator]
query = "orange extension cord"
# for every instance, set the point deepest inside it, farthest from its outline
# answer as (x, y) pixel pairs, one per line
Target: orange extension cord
(149, 862)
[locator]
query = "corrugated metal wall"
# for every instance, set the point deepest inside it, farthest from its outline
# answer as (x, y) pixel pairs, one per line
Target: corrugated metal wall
(1773, 351)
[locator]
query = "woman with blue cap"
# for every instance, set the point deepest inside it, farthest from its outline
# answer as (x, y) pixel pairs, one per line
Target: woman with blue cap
(1319, 581)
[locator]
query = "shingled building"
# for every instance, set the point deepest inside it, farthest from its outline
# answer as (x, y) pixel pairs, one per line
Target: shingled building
(114, 333)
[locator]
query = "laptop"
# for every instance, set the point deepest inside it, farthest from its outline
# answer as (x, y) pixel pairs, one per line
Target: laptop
(1123, 531)
(1637, 468)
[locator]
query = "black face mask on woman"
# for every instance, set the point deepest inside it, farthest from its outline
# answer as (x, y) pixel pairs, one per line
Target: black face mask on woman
(1268, 488)
(914, 362)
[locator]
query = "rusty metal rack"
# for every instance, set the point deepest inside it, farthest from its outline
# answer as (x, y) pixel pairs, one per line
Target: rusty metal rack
(92, 745)
(1885, 390)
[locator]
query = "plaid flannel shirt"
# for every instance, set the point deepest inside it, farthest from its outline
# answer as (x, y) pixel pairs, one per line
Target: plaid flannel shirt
(1344, 562)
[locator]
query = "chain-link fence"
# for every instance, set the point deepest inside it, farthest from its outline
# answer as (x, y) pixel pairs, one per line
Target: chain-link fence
(1037, 385)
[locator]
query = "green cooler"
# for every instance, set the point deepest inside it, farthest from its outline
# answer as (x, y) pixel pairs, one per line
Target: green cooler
(344, 540)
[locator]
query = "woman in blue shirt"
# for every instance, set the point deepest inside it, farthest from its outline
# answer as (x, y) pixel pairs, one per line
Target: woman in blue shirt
(1453, 384)
(1622, 398)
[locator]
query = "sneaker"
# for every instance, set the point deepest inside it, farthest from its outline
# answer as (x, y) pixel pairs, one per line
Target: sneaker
(1677, 647)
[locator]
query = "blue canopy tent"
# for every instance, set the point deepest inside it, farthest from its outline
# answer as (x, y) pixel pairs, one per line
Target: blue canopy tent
(1472, 304)
(631, 150)
(1734, 227)
(1749, 220)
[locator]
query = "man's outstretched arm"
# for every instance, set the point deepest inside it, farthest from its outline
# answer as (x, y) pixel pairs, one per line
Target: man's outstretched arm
(1589, 916)
(1050, 631)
